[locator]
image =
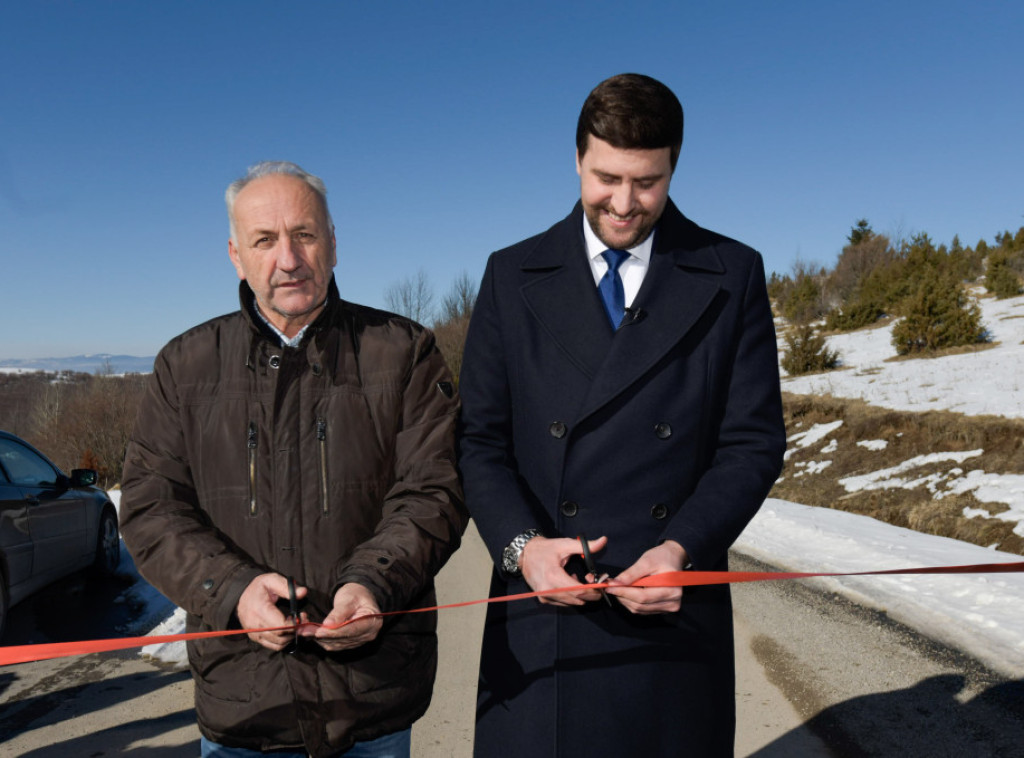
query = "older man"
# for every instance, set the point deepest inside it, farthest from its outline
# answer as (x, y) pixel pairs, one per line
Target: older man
(295, 459)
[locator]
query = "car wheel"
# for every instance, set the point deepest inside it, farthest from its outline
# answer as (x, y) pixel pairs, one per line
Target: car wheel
(108, 545)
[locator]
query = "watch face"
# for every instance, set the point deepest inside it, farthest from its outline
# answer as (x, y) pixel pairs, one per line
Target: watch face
(510, 560)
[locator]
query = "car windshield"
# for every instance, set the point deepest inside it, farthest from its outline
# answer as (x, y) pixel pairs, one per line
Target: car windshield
(24, 467)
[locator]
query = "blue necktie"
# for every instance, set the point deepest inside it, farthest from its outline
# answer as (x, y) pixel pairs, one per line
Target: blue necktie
(610, 287)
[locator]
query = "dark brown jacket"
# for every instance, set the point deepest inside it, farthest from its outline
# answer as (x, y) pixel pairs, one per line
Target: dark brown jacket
(331, 463)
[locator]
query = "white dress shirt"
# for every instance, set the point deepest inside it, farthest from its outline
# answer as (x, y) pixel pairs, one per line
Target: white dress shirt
(632, 270)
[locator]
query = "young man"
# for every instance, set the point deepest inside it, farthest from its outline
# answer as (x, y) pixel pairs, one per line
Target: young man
(298, 454)
(619, 385)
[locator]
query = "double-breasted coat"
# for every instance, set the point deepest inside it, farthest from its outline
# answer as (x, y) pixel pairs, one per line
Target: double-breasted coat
(668, 428)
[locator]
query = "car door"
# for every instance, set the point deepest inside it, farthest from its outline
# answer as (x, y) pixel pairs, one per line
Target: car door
(15, 541)
(56, 513)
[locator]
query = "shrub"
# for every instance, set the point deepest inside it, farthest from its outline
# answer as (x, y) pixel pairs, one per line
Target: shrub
(936, 315)
(853, 316)
(1000, 279)
(807, 352)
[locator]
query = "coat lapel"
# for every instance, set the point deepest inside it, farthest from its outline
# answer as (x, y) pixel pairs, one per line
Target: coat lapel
(670, 302)
(559, 291)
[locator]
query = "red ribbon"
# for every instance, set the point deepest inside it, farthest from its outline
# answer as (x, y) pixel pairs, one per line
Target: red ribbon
(26, 653)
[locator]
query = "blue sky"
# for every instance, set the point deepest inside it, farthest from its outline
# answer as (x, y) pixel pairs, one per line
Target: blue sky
(445, 131)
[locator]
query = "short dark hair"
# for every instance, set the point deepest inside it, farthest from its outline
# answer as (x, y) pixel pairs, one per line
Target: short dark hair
(632, 112)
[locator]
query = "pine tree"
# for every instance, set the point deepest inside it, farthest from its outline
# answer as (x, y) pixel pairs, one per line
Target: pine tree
(938, 313)
(807, 352)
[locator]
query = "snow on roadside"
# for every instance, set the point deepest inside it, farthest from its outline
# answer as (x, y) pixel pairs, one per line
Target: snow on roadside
(982, 614)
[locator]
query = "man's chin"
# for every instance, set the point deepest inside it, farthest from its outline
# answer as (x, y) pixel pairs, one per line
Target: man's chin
(293, 308)
(619, 238)
(623, 239)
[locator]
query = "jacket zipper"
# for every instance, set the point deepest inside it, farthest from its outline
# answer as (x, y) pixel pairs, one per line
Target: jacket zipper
(251, 444)
(321, 440)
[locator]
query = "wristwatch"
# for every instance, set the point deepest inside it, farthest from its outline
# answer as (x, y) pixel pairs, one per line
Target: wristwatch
(514, 550)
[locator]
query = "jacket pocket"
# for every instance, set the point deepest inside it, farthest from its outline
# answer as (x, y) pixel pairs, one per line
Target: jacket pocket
(321, 445)
(251, 445)
(396, 663)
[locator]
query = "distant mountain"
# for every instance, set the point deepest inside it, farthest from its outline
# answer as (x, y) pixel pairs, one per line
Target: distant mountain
(89, 364)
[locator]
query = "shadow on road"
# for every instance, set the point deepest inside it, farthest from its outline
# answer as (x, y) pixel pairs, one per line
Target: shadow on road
(932, 718)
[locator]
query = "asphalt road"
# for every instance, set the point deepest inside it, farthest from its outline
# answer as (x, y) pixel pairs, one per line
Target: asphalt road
(813, 671)
(868, 686)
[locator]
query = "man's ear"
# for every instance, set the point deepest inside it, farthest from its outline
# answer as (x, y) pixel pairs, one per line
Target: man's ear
(235, 259)
(579, 169)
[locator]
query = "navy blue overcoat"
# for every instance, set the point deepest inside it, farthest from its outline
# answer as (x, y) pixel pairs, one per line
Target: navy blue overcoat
(669, 428)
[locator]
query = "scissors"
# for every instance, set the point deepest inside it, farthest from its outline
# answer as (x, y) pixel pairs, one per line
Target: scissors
(588, 561)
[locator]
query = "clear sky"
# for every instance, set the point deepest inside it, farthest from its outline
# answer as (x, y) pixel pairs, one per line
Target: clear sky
(446, 130)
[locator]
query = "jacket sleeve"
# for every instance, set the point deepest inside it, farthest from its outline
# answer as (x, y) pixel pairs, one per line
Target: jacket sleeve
(747, 443)
(173, 543)
(502, 505)
(423, 514)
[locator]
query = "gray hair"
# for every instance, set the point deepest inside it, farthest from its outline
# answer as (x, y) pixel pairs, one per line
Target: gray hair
(271, 168)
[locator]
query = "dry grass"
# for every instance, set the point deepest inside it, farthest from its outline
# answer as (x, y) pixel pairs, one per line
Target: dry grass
(908, 435)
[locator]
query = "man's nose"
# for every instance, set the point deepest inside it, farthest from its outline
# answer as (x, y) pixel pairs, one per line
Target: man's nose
(622, 198)
(288, 258)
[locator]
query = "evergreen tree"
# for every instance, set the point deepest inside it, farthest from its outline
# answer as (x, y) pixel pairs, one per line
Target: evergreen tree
(861, 232)
(807, 352)
(1000, 279)
(938, 313)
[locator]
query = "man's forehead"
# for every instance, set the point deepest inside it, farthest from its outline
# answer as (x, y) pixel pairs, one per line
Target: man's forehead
(271, 196)
(602, 157)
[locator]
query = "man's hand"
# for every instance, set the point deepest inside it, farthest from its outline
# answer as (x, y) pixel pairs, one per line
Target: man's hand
(543, 564)
(668, 556)
(257, 609)
(351, 601)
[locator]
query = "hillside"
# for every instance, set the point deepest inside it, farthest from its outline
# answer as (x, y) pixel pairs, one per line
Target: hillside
(932, 444)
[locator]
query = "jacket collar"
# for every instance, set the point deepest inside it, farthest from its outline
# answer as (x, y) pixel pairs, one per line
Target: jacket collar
(313, 341)
(558, 288)
(689, 245)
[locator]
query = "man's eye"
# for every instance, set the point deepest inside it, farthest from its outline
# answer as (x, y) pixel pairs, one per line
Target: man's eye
(644, 185)
(263, 243)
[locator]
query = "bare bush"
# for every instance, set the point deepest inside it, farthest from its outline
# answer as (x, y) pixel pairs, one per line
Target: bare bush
(412, 297)
(87, 424)
(459, 301)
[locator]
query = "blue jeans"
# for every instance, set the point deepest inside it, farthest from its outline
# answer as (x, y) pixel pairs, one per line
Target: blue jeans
(397, 745)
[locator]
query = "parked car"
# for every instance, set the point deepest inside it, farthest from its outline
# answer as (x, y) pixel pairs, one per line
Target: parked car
(51, 524)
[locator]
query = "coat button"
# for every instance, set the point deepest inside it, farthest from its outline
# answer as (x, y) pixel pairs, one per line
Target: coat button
(208, 584)
(275, 361)
(557, 429)
(569, 509)
(659, 511)
(663, 429)
(317, 369)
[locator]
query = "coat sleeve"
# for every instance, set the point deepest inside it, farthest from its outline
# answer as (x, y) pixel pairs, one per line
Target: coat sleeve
(423, 514)
(500, 503)
(747, 443)
(173, 543)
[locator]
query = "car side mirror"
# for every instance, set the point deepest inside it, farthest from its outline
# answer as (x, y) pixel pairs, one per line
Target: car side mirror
(83, 477)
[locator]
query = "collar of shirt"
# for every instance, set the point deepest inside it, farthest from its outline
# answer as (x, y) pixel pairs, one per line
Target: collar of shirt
(632, 270)
(285, 341)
